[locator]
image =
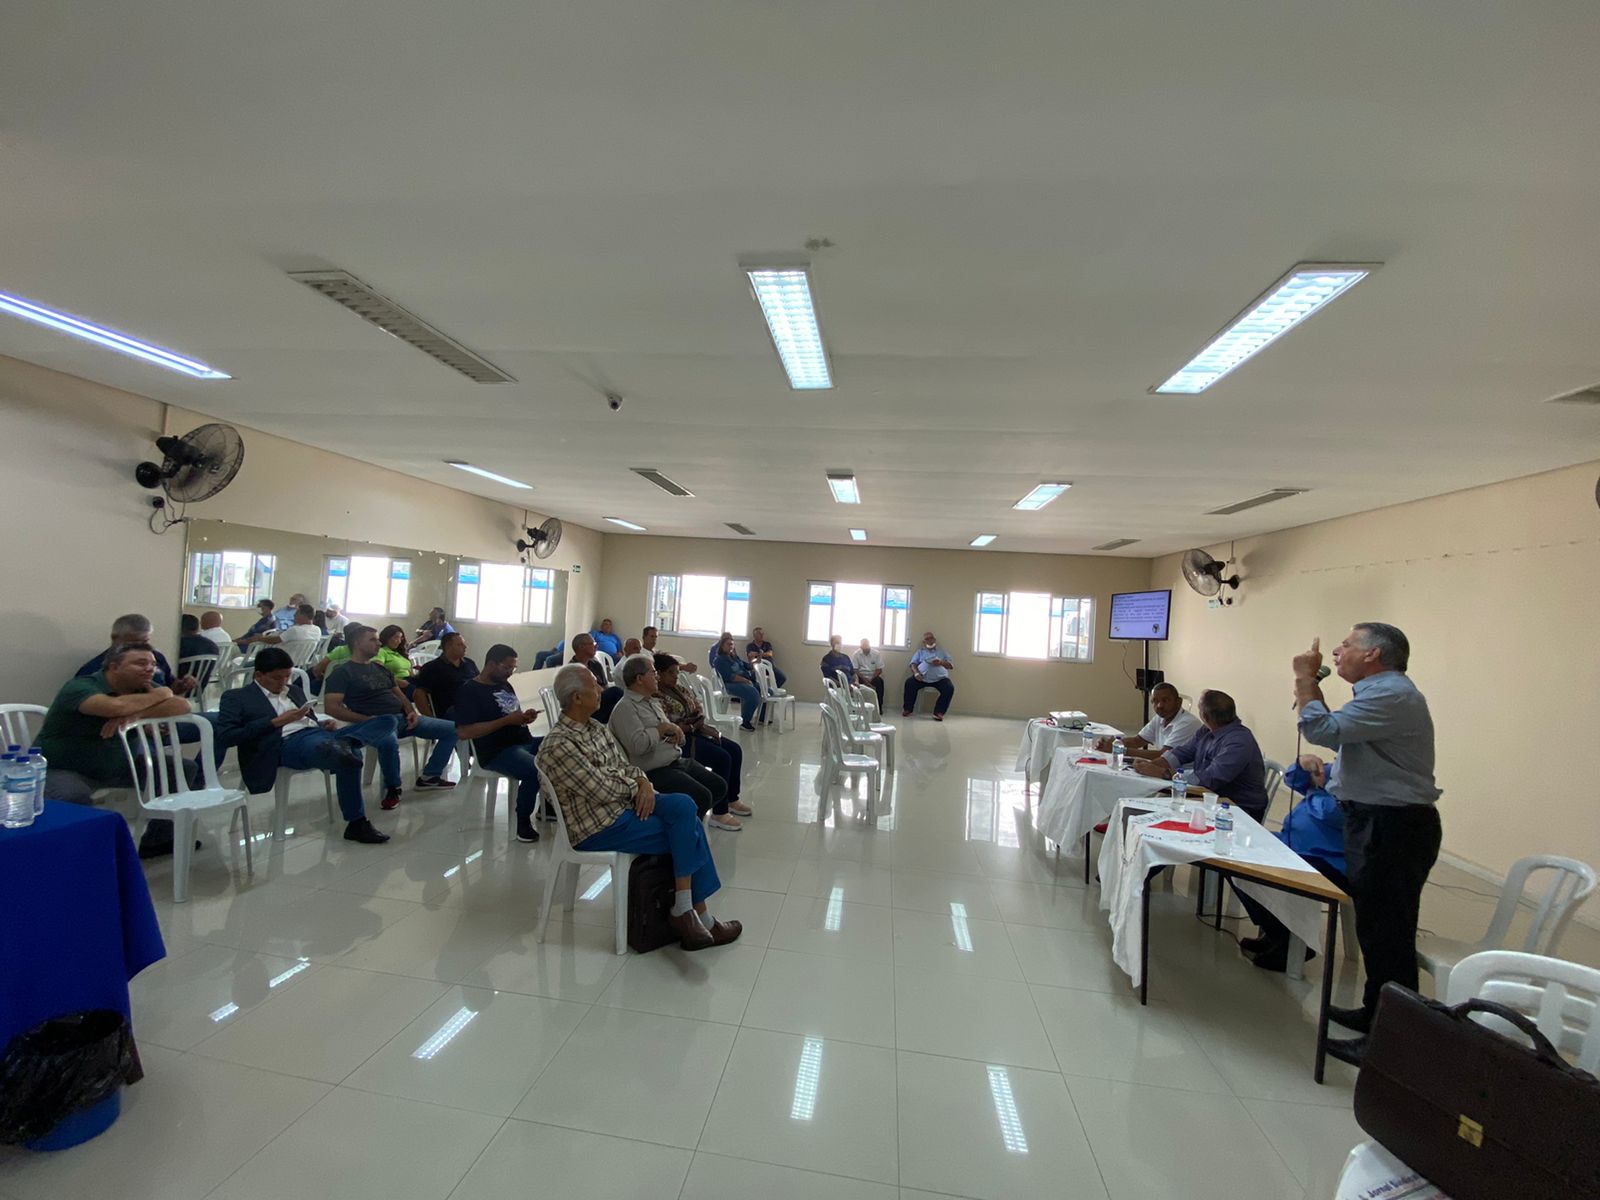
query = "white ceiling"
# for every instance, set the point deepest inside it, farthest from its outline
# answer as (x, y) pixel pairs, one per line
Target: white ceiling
(1040, 209)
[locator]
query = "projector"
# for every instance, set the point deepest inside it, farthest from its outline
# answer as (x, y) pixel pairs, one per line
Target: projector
(1070, 720)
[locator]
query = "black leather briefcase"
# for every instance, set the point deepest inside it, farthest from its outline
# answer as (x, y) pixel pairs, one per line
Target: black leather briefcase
(1474, 1111)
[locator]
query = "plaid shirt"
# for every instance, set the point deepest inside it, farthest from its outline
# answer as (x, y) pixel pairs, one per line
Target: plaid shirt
(594, 780)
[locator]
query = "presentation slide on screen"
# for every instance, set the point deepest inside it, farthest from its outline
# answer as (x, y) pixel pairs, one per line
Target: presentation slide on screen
(1136, 616)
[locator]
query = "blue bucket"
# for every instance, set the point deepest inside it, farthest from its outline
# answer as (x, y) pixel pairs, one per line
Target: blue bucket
(81, 1126)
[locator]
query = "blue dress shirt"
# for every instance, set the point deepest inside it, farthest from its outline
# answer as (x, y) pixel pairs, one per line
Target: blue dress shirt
(1384, 737)
(1314, 828)
(1226, 761)
(923, 659)
(609, 642)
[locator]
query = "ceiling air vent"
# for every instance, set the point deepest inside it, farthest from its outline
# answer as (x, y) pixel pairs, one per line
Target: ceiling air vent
(1116, 545)
(1589, 395)
(661, 481)
(741, 530)
(1256, 501)
(344, 288)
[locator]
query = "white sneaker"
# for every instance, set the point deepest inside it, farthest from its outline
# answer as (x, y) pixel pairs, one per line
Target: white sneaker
(740, 809)
(724, 821)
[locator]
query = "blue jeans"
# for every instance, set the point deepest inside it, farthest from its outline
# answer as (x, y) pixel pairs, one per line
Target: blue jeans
(433, 729)
(749, 700)
(673, 828)
(381, 733)
(317, 749)
(519, 763)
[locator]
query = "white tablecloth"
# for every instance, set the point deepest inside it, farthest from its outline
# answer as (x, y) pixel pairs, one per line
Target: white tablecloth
(1076, 799)
(1372, 1173)
(1126, 860)
(1041, 739)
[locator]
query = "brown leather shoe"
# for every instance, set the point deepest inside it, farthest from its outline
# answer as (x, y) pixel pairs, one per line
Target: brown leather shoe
(723, 932)
(692, 935)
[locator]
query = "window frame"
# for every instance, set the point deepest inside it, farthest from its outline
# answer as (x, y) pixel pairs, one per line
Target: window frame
(390, 579)
(670, 625)
(259, 589)
(527, 589)
(1066, 603)
(884, 608)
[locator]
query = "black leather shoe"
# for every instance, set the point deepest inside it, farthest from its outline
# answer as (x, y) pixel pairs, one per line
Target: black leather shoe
(1254, 945)
(364, 831)
(1348, 1050)
(1358, 1019)
(1276, 958)
(525, 830)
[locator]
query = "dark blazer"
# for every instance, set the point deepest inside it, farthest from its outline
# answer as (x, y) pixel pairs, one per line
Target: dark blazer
(245, 722)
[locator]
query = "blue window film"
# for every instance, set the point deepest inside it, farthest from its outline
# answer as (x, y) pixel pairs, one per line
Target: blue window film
(469, 574)
(400, 570)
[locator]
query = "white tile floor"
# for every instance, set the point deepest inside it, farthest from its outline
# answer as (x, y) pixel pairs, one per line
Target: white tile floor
(925, 1008)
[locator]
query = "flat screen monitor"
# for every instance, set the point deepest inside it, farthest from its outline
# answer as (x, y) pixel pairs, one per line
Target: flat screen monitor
(1140, 616)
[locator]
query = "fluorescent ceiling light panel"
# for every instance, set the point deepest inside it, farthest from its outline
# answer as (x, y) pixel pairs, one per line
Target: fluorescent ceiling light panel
(626, 524)
(858, 535)
(468, 467)
(109, 338)
(843, 486)
(1271, 497)
(784, 294)
(1307, 289)
(671, 487)
(983, 539)
(1040, 496)
(741, 530)
(1116, 544)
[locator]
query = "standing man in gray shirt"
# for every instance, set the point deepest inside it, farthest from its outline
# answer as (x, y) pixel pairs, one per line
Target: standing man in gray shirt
(655, 745)
(1384, 737)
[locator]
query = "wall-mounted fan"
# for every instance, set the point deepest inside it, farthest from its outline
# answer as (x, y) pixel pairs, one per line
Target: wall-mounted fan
(193, 467)
(543, 540)
(1204, 574)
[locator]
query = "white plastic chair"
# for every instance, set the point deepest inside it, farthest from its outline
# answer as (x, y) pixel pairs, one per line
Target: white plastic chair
(1274, 781)
(305, 652)
(857, 740)
(424, 652)
(767, 680)
(15, 727)
(552, 710)
(155, 759)
(1562, 998)
(719, 706)
(701, 687)
(477, 776)
(280, 790)
(563, 855)
(608, 665)
(836, 760)
(202, 667)
(870, 720)
(1569, 886)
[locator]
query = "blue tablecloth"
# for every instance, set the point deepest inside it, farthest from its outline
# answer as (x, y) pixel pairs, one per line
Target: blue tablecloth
(76, 921)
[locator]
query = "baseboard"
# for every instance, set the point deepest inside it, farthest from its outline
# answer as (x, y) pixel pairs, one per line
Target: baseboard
(1584, 916)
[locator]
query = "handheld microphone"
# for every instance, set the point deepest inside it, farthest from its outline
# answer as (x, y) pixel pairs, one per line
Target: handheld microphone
(1322, 673)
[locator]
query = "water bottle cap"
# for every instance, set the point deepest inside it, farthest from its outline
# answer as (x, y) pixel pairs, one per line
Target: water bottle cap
(13, 748)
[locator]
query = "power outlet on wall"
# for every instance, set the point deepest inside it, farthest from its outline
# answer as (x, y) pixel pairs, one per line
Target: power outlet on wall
(1214, 602)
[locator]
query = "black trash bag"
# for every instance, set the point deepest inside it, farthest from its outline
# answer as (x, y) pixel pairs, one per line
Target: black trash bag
(60, 1067)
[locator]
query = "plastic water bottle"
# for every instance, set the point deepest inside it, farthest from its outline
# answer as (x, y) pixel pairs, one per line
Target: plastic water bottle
(1180, 785)
(1088, 740)
(1224, 829)
(41, 767)
(1118, 750)
(16, 799)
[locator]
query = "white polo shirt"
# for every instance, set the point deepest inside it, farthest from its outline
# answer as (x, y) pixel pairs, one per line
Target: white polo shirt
(867, 663)
(1179, 731)
(219, 635)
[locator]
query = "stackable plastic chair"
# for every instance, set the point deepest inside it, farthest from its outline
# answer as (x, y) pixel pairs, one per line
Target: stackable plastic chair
(424, 652)
(771, 693)
(563, 856)
(552, 710)
(16, 727)
(1563, 998)
(857, 740)
(836, 760)
(608, 665)
(280, 790)
(202, 667)
(708, 701)
(478, 777)
(870, 720)
(1274, 781)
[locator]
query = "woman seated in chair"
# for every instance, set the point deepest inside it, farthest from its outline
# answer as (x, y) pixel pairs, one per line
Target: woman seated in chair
(701, 741)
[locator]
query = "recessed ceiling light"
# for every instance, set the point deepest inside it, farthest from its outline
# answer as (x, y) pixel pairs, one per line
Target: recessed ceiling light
(466, 466)
(1040, 496)
(1271, 497)
(741, 530)
(626, 524)
(1306, 289)
(844, 487)
(983, 539)
(1116, 544)
(784, 294)
(670, 486)
(109, 338)
(858, 535)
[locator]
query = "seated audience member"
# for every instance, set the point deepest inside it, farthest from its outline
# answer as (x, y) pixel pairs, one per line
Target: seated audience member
(584, 654)
(837, 660)
(605, 638)
(631, 647)
(79, 733)
(266, 624)
(608, 804)
(655, 745)
(1315, 831)
(391, 655)
(191, 642)
(211, 627)
(303, 629)
(334, 619)
(360, 691)
(487, 711)
(647, 645)
(550, 657)
(319, 618)
(133, 629)
(930, 667)
(1172, 726)
(439, 681)
(867, 664)
(271, 724)
(435, 627)
(760, 650)
(284, 617)
(701, 739)
(737, 680)
(1223, 757)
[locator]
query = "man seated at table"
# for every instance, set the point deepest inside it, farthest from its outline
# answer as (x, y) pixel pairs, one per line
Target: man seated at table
(271, 725)
(133, 629)
(930, 667)
(1171, 727)
(655, 745)
(439, 682)
(79, 734)
(758, 649)
(487, 711)
(836, 660)
(867, 664)
(360, 691)
(608, 804)
(1223, 758)
(1314, 829)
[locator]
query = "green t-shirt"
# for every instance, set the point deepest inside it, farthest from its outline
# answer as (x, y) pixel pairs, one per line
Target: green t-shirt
(71, 740)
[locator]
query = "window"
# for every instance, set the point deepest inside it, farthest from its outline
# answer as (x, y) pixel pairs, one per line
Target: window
(1034, 625)
(368, 585)
(504, 593)
(700, 604)
(230, 578)
(879, 612)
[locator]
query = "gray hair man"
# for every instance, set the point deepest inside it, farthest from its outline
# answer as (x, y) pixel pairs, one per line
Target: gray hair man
(133, 629)
(1384, 737)
(607, 803)
(655, 745)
